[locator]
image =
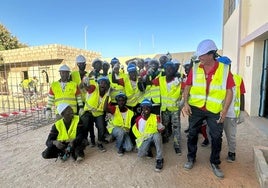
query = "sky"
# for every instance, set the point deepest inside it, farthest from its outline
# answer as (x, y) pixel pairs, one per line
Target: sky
(115, 27)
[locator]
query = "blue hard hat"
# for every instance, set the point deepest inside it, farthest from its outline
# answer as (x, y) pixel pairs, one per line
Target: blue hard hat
(169, 63)
(225, 60)
(103, 78)
(121, 95)
(146, 102)
(131, 68)
(114, 60)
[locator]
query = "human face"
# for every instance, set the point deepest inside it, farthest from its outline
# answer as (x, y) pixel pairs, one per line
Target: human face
(68, 114)
(133, 75)
(103, 86)
(121, 102)
(206, 58)
(81, 66)
(64, 75)
(146, 111)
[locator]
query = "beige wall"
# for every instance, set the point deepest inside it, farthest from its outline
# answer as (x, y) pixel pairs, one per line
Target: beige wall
(254, 15)
(230, 41)
(246, 45)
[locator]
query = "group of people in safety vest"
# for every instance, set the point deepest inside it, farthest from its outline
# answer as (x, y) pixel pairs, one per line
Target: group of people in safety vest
(139, 108)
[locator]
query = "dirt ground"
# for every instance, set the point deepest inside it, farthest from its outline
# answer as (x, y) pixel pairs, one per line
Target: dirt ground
(23, 166)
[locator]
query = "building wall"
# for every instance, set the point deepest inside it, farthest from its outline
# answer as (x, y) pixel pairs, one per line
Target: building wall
(248, 29)
(230, 40)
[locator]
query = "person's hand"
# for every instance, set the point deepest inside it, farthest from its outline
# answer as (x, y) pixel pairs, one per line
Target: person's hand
(48, 114)
(58, 144)
(186, 110)
(160, 127)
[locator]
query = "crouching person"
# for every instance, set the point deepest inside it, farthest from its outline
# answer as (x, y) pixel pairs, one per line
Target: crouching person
(66, 137)
(119, 124)
(147, 131)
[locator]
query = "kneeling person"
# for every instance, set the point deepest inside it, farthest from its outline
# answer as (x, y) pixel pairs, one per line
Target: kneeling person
(120, 123)
(66, 137)
(147, 130)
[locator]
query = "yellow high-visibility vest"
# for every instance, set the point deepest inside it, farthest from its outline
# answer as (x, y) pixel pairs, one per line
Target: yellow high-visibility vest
(118, 121)
(67, 96)
(169, 99)
(65, 135)
(213, 101)
(94, 103)
(133, 95)
(238, 81)
(150, 128)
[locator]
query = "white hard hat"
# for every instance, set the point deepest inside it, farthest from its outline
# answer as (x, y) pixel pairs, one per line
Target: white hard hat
(80, 59)
(64, 68)
(61, 107)
(205, 46)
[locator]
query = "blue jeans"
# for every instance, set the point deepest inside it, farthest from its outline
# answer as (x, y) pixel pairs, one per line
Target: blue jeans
(122, 139)
(155, 139)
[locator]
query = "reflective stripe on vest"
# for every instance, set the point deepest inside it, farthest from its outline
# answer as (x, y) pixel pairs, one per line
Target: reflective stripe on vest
(217, 89)
(65, 135)
(169, 99)
(66, 96)
(150, 128)
(118, 121)
(95, 103)
(133, 95)
(237, 102)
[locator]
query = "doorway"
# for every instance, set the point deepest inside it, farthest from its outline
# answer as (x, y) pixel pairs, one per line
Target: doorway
(263, 111)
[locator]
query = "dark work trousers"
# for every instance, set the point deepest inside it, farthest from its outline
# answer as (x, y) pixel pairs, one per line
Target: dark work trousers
(215, 131)
(88, 122)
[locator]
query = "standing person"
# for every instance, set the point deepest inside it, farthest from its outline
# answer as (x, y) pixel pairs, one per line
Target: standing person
(208, 95)
(66, 137)
(77, 76)
(147, 131)
(64, 91)
(232, 117)
(96, 98)
(170, 90)
(120, 124)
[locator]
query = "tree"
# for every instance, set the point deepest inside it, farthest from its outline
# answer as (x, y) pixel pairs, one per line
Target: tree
(7, 41)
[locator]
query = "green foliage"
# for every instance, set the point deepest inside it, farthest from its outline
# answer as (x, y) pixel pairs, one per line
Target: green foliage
(7, 41)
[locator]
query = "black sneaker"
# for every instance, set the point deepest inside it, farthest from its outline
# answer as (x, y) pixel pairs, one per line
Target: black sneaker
(120, 152)
(205, 143)
(217, 171)
(178, 151)
(149, 154)
(186, 130)
(159, 165)
(231, 157)
(101, 148)
(93, 143)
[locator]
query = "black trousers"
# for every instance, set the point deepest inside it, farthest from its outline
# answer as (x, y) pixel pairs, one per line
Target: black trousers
(54, 152)
(215, 131)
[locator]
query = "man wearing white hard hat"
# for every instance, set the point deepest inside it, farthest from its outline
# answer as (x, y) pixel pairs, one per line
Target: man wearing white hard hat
(77, 76)
(64, 91)
(208, 95)
(66, 137)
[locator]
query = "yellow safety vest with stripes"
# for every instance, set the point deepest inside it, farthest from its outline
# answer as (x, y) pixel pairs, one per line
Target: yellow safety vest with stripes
(65, 135)
(116, 88)
(150, 128)
(213, 101)
(133, 95)
(170, 99)
(95, 103)
(67, 96)
(238, 81)
(118, 121)
(153, 92)
(75, 75)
